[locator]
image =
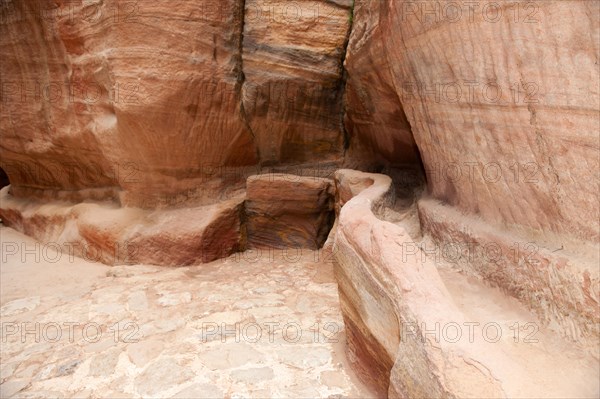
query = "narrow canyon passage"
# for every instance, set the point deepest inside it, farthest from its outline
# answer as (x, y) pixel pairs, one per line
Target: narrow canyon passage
(435, 162)
(256, 324)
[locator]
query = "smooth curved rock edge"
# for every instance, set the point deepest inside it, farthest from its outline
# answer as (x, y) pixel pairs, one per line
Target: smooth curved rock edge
(378, 297)
(104, 232)
(278, 211)
(528, 160)
(387, 298)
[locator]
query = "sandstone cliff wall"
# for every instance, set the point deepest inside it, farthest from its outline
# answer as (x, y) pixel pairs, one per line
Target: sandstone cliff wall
(161, 103)
(502, 100)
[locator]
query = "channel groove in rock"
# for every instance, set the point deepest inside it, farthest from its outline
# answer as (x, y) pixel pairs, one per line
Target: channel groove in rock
(398, 302)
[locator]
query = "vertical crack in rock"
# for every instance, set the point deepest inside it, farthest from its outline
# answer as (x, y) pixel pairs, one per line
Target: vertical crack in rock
(344, 78)
(241, 75)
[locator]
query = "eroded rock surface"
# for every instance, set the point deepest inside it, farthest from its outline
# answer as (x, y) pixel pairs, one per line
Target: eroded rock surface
(277, 211)
(560, 284)
(501, 99)
(118, 95)
(115, 236)
(379, 132)
(293, 87)
(138, 123)
(286, 211)
(400, 301)
(149, 104)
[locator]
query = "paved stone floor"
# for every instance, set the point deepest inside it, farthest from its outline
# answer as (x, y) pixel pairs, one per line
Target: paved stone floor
(253, 325)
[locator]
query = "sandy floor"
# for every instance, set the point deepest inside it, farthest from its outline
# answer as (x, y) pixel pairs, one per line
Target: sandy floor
(252, 325)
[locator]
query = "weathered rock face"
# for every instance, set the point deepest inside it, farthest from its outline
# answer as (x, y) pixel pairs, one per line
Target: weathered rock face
(145, 105)
(502, 101)
(378, 130)
(400, 303)
(286, 211)
(278, 211)
(149, 103)
(499, 138)
(561, 287)
(292, 93)
(124, 236)
(115, 95)
(156, 104)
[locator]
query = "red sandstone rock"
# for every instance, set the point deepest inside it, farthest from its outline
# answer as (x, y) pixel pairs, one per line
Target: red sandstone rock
(280, 211)
(397, 303)
(115, 236)
(502, 101)
(293, 88)
(510, 151)
(379, 132)
(151, 104)
(560, 286)
(287, 211)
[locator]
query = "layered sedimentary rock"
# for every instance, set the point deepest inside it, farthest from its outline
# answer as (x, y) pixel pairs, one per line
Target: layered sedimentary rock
(153, 104)
(379, 296)
(277, 211)
(502, 101)
(417, 330)
(378, 131)
(103, 232)
(560, 285)
(115, 94)
(149, 103)
(293, 87)
(287, 211)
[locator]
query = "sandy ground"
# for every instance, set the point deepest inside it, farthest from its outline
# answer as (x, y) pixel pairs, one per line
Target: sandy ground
(252, 325)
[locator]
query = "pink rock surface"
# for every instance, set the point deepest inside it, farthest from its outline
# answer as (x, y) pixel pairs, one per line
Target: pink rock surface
(129, 129)
(278, 211)
(149, 103)
(293, 88)
(124, 236)
(560, 284)
(397, 303)
(502, 100)
(379, 132)
(286, 211)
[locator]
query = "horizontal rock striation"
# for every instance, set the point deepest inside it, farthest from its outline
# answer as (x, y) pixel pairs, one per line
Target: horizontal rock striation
(501, 99)
(378, 130)
(562, 285)
(278, 211)
(397, 304)
(286, 211)
(149, 104)
(102, 232)
(293, 78)
(142, 97)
